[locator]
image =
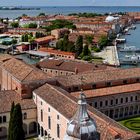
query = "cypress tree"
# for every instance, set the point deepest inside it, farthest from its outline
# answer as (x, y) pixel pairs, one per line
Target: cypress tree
(65, 42)
(79, 45)
(85, 50)
(11, 122)
(26, 38)
(16, 125)
(22, 38)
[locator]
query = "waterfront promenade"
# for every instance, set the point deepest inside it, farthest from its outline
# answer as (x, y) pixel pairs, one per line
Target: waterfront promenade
(110, 55)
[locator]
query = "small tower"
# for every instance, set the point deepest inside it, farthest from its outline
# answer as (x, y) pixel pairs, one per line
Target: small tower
(82, 126)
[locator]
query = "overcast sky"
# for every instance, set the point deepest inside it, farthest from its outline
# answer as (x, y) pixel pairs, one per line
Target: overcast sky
(69, 2)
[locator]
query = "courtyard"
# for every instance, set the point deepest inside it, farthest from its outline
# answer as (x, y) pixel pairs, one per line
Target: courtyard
(132, 124)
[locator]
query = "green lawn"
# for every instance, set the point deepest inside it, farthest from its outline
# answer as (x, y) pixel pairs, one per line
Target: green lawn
(132, 123)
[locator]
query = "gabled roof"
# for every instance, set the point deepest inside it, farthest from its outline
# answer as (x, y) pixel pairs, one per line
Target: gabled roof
(66, 105)
(99, 76)
(9, 96)
(130, 88)
(22, 71)
(72, 66)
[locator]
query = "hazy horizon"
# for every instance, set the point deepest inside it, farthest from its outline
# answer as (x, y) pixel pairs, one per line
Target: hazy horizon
(70, 3)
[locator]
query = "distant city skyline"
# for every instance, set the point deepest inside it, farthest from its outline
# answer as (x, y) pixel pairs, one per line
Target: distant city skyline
(70, 3)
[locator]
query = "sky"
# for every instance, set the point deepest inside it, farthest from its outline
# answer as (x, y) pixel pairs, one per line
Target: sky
(69, 2)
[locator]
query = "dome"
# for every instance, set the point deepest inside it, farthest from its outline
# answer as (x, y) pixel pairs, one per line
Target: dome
(81, 126)
(109, 19)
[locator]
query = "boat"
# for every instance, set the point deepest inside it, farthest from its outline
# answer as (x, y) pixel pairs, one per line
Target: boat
(133, 27)
(131, 59)
(130, 49)
(120, 40)
(127, 34)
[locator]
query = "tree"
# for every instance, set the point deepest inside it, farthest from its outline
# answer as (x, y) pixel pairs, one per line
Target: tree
(26, 38)
(15, 24)
(10, 133)
(14, 41)
(89, 39)
(23, 38)
(85, 50)
(32, 25)
(103, 41)
(41, 14)
(59, 44)
(16, 131)
(24, 15)
(65, 42)
(79, 45)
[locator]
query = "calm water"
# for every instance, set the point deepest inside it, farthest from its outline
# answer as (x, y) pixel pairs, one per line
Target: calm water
(26, 59)
(67, 10)
(132, 40)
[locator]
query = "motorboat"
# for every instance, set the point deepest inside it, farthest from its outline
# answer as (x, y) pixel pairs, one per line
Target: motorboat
(130, 49)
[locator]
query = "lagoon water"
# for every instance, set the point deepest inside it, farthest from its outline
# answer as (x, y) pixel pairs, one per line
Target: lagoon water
(131, 40)
(68, 9)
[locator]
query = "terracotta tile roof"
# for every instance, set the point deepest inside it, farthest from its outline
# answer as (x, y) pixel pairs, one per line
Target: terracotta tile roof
(22, 71)
(44, 39)
(65, 104)
(51, 51)
(5, 57)
(7, 97)
(71, 66)
(99, 76)
(110, 90)
(26, 29)
(94, 23)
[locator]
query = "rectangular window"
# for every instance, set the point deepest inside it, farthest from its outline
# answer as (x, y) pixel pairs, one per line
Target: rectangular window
(95, 104)
(106, 103)
(121, 100)
(49, 122)
(57, 117)
(116, 101)
(125, 81)
(94, 86)
(49, 110)
(111, 102)
(42, 115)
(58, 131)
(101, 103)
(108, 84)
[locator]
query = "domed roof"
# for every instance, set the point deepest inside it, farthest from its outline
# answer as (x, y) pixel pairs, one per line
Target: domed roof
(109, 19)
(81, 126)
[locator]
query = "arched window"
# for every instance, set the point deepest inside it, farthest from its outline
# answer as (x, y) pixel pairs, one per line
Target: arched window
(106, 103)
(126, 99)
(121, 100)
(58, 131)
(45, 133)
(4, 119)
(101, 103)
(25, 116)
